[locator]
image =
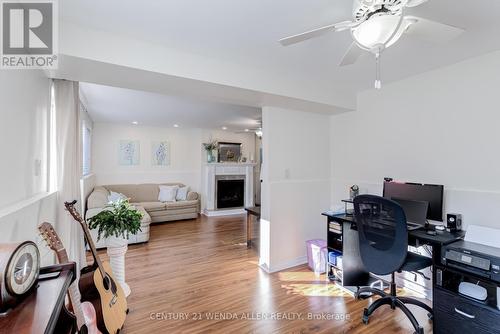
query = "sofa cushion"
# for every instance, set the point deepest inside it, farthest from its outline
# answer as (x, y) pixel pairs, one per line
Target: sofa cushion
(192, 196)
(182, 193)
(182, 205)
(140, 192)
(152, 206)
(167, 193)
(115, 197)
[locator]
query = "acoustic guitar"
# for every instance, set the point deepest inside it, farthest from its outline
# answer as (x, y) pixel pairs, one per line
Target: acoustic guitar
(112, 310)
(84, 312)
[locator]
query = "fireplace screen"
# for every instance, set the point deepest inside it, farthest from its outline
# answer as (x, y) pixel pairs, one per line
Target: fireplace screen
(230, 193)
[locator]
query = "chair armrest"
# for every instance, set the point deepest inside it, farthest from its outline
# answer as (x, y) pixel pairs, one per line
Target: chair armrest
(192, 196)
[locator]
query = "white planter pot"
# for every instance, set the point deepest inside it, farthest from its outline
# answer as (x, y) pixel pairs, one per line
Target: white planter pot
(117, 247)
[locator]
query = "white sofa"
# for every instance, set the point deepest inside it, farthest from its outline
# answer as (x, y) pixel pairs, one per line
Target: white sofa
(144, 197)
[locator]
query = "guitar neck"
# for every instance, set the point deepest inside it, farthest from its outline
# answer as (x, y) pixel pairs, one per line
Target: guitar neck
(76, 216)
(90, 241)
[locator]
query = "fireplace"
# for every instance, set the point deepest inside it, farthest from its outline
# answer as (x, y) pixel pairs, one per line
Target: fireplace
(227, 188)
(230, 191)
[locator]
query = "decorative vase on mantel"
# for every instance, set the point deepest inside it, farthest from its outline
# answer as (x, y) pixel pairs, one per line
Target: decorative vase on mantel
(211, 157)
(211, 147)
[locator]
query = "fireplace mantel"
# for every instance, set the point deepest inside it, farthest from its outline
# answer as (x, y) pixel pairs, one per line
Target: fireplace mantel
(238, 164)
(209, 173)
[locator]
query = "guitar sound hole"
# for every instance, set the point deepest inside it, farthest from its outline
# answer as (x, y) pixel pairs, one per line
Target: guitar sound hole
(84, 330)
(106, 283)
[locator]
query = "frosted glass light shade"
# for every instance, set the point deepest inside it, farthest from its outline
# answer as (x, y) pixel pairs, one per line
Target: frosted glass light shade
(379, 30)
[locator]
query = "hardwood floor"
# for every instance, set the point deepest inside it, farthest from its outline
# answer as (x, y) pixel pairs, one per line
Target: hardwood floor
(197, 276)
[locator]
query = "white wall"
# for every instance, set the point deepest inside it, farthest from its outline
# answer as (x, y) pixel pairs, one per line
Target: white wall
(186, 159)
(296, 184)
(24, 106)
(440, 127)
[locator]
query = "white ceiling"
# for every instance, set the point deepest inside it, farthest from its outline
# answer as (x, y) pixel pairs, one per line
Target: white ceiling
(120, 105)
(246, 32)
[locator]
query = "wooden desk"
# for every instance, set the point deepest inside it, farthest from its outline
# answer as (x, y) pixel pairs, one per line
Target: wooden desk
(43, 311)
(251, 211)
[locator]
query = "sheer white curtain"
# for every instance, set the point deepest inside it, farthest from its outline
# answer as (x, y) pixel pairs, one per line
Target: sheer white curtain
(68, 166)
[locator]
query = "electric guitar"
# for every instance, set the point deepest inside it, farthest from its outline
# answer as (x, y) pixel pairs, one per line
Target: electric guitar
(84, 312)
(112, 310)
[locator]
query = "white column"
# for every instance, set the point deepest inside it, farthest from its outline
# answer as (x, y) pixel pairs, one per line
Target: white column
(117, 247)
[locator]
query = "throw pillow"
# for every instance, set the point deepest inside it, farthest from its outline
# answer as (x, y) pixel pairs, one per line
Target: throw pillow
(182, 193)
(114, 197)
(167, 193)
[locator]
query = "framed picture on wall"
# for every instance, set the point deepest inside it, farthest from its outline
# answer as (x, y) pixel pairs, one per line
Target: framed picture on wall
(129, 153)
(229, 152)
(160, 153)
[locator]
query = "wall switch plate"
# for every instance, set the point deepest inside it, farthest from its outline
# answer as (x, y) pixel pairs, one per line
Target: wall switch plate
(38, 167)
(287, 173)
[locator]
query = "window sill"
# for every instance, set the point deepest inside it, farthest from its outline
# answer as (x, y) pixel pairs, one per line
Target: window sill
(13, 208)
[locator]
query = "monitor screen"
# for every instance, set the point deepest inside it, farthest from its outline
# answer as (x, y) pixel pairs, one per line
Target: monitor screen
(433, 194)
(415, 211)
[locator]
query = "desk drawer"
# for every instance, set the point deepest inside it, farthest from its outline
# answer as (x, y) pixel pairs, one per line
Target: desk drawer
(456, 314)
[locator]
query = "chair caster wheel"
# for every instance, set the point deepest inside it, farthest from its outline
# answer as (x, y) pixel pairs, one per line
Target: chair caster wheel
(365, 317)
(430, 316)
(362, 296)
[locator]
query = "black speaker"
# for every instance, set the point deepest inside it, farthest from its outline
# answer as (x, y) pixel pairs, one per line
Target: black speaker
(454, 222)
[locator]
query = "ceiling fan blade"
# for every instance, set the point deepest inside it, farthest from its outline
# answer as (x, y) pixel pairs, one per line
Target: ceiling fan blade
(415, 3)
(351, 56)
(432, 31)
(315, 33)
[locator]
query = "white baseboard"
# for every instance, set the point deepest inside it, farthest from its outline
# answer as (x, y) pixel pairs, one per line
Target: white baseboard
(284, 265)
(219, 213)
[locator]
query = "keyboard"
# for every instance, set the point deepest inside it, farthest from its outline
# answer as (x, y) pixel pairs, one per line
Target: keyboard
(413, 226)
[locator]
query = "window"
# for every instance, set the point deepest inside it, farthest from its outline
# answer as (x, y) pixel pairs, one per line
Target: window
(52, 142)
(86, 144)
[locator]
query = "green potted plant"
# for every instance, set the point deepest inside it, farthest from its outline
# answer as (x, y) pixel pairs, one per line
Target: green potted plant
(116, 223)
(210, 147)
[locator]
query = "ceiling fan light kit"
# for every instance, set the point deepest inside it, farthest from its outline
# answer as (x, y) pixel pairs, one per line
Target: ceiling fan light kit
(377, 25)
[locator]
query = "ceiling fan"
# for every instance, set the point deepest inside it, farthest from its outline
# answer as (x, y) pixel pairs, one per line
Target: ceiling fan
(378, 24)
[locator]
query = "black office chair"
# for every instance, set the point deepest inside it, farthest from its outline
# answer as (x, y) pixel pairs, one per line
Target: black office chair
(383, 245)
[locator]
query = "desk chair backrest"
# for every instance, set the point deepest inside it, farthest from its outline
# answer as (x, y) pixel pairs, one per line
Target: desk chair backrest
(383, 234)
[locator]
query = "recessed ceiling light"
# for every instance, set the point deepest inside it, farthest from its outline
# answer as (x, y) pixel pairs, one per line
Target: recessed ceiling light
(224, 128)
(246, 130)
(135, 122)
(176, 125)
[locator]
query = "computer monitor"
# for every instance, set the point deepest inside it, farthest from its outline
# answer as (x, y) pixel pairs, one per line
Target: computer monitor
(415, 211)
(433, 194)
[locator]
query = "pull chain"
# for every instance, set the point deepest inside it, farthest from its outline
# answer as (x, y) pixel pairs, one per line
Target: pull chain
(378, 83)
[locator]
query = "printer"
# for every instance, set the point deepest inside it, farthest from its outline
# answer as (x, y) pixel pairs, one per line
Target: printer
(478, 259)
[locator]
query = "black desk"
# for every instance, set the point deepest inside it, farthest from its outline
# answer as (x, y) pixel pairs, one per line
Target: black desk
(343, 237)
